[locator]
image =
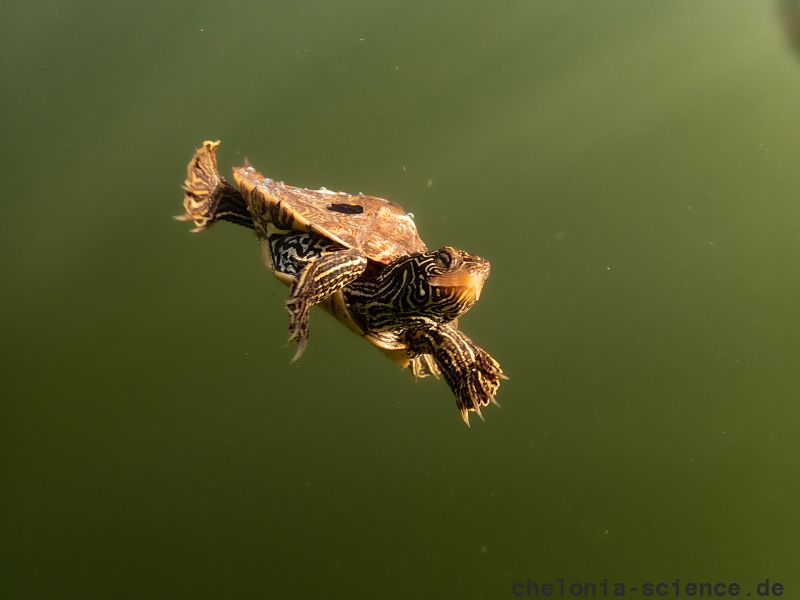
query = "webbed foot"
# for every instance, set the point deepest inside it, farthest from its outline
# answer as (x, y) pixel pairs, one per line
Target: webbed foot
(208, 198)
(477, 386)
(472, 374)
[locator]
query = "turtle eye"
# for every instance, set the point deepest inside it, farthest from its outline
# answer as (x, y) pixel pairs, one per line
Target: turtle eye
(443, 259)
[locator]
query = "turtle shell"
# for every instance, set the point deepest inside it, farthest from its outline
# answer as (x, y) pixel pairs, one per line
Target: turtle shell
(381, 229)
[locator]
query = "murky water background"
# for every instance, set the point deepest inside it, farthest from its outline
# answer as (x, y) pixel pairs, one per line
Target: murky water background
(630, 169)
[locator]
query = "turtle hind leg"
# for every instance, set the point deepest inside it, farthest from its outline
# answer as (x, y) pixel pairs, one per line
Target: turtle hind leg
(209, 198)
(472, 374)
(319, 279)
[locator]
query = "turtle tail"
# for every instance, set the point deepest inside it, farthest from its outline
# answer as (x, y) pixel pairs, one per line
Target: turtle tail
(207, 196)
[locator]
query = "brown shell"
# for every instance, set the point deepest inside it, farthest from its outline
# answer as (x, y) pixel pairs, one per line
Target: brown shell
(381, 229)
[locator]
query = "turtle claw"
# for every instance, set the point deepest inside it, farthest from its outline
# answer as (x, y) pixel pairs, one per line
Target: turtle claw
(465, 416)
(299, 335)
(302, 341)
(185, 218)
(298, 327)
(301, 347)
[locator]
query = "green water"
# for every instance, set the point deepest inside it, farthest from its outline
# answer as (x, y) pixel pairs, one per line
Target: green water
(629, 168)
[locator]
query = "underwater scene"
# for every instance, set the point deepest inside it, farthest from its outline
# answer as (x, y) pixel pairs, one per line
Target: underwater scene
(576, 222)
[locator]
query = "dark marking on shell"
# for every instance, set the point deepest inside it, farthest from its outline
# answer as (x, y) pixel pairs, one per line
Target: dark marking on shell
(347, 209)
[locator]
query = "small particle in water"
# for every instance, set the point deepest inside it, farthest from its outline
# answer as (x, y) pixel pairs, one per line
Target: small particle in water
(361, 39)
(429, 183)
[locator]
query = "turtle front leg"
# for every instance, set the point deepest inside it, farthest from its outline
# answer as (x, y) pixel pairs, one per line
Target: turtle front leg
(320, 278)
(472, 374)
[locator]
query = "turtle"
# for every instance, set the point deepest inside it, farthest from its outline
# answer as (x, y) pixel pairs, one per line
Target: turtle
(361, 258)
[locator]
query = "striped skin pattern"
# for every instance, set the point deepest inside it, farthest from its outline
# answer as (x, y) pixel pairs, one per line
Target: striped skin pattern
(406, 293)
(362, 257)
(291, 251)
(321, 278)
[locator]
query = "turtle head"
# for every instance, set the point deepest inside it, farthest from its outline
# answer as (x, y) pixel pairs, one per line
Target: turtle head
(425, 287)
(454, 279)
